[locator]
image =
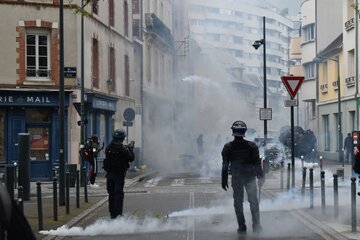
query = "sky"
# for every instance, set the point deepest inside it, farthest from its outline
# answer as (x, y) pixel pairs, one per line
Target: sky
(293, 5)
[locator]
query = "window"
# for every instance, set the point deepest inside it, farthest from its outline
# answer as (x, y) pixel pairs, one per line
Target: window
(126, 18)
(238, 53)
(39, 143)
(309, 70)
(325, 72)
(352, 120)
(351, 63)
(309, 32)
(111, 13)
(95, 7)
(95, 63)
(112, 67)
(336, 128)
(238, 40)
(212, 10)
(127, 75)
(37, 55)
(326, 132)
(213, 37)
(38, 123)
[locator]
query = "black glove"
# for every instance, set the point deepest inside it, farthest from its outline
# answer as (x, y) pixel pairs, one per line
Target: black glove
(224, 179)
(131, 145)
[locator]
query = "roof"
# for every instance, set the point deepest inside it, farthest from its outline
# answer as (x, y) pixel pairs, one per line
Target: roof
(332, 48)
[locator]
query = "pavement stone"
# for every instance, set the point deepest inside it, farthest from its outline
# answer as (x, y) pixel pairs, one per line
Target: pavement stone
(324, 218)
(97, 196)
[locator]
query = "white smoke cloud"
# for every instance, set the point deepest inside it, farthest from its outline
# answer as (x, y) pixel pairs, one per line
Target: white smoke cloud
(121, 225)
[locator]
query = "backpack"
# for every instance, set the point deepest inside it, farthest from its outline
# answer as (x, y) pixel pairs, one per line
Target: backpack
(117, 158)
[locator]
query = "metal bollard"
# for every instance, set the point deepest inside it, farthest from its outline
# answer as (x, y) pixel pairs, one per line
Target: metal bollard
(336, 196)
(15, 174)
(39, 202)
(10, 177)
(323, 204)
(77, 189)
(288, 176)
(282, 175)
(85, 184)
(303, 183)
(311, 179)
(353, 204)
(20, 199)
(55, 206)
(67, 197)
(321, 163)
(302, 161)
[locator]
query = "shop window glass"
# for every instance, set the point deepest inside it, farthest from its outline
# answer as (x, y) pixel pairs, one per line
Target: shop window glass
(38, 115)
(2, 136)
(39, 143)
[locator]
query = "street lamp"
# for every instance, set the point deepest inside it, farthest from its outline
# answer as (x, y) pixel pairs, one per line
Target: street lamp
(340, 138)
(256, 45)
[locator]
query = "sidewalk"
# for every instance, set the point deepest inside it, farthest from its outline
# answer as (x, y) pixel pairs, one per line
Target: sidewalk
(319, 217)
(97, 196)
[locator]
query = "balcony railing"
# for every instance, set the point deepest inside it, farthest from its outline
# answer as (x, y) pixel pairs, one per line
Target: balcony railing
(350, 81)
(335, 85)
(156, 26)
(38, 73)
(324, 88)
(349, 24)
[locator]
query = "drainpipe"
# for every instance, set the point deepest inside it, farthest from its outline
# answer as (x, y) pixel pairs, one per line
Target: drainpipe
(356, 17)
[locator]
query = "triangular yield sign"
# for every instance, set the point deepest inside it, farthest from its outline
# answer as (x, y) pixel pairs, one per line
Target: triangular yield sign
(292, 84)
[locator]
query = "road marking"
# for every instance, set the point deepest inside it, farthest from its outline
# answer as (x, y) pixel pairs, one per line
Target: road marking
(191, 219)
(178, 182)
(153, 182)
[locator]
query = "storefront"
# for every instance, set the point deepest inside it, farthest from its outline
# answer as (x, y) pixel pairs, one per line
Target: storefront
(36, 113)
(99, 111)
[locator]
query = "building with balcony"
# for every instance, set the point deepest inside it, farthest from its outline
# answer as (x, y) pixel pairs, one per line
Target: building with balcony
(304, 46)
(158, 79)
(330, 64)
(233, 26)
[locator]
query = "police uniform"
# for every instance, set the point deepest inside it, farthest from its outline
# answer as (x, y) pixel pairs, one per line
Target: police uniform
(13, 224)
(116, 164)
(243, 158)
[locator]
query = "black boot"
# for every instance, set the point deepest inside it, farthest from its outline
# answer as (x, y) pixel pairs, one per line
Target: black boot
(242, 229)
(257, 228)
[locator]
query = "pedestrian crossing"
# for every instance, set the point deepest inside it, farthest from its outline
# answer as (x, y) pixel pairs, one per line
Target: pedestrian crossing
(178, 182)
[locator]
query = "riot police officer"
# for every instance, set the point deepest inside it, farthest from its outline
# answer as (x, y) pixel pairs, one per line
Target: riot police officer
(243, 158)
(13, 223)
(116, 164)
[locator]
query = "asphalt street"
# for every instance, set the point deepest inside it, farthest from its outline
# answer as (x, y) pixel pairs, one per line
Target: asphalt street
(185, 206)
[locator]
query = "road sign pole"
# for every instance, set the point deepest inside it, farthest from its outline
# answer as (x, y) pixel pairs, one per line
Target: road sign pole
(292, 84)
(292, 146)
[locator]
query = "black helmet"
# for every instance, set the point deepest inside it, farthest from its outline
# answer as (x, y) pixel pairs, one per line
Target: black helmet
(119, 134)
(239, 128)
(95, 139)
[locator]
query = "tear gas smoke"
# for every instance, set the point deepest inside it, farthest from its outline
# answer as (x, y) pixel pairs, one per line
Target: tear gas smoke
(220, 214)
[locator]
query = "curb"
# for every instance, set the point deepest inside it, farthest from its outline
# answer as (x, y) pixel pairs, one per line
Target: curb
(86, 212)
